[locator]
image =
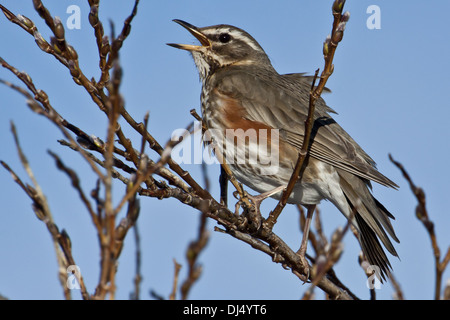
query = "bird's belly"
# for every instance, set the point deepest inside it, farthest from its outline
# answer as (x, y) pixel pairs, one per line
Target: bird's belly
(303, 193)
(261, 167)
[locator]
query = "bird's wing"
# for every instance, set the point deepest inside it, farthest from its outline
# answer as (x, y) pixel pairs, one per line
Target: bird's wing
(283, 104)
(303, 78)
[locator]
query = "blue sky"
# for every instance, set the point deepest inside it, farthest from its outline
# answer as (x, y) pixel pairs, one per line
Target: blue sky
(390, 88)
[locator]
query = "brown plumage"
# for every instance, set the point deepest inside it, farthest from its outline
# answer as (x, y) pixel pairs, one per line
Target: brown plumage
(241, 90)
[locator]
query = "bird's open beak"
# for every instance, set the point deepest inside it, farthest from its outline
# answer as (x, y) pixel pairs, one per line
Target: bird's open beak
(196, 33)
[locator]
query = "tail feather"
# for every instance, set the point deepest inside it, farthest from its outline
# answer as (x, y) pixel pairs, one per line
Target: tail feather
(371, 247)
(372, 221)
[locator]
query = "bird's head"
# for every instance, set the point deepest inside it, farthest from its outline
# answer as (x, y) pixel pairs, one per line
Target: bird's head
(220, 46)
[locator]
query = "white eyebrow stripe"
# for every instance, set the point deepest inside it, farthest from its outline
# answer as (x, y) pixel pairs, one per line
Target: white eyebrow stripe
(236, 34)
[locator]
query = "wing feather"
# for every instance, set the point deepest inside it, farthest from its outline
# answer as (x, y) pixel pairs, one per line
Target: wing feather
(283, 104)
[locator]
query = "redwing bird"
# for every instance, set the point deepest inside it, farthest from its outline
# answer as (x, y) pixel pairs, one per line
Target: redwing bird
(242, 91)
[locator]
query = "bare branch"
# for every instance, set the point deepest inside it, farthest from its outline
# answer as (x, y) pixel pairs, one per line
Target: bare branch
(173, 294)
(61, 241)
(422, 215)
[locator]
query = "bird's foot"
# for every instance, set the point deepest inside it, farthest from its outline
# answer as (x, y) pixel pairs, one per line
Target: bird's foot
(253, 214)
(304, 262)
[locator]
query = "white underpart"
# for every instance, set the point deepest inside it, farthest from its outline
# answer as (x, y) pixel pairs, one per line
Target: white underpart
(202, 66)
(328, 187)
(325, 187)
(328, 184)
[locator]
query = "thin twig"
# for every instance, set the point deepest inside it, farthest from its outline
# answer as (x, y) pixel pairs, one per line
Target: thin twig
(115, 46)
(333, 253)
(422, 215)
(173, 294)
(40, 104)
(42, 210)
(196, 247)
(329, 49)
(138, 275)
(398, 292)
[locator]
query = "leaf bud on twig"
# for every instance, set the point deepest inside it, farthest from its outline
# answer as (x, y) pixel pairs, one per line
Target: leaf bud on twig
(66, 238)
(346, 16)
(93, 16)
(55, 44)
(337, 252)
(25, 76)
(27, 22)
(326, 46)
(339, 33)
(73, 53)
(41, 42)
(59, 29)
(73, 68)
(41, 95)
(338, 5)
(337, 235)
(105, 46)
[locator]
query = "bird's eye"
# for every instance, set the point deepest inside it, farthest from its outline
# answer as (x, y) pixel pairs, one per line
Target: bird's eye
(224, 37)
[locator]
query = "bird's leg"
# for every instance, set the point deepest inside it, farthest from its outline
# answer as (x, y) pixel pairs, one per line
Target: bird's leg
(233, 180)
(253, 214)
(302, 251)
(223, 180)
(261, 197)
